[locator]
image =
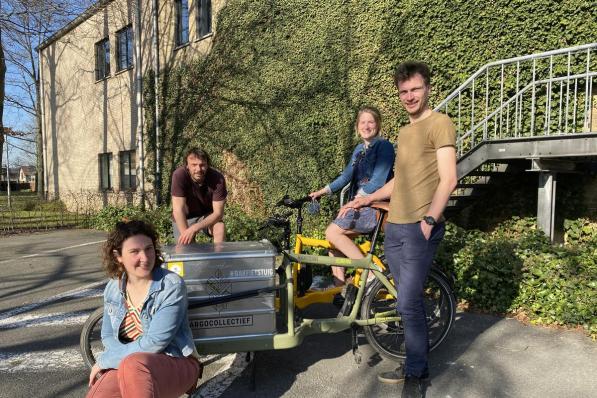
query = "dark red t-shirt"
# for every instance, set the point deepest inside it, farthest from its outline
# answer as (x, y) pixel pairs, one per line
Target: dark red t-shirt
(199, 197)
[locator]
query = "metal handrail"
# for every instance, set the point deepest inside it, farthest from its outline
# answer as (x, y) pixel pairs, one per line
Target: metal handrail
(511, 61)
(519, 94)
(553, 88)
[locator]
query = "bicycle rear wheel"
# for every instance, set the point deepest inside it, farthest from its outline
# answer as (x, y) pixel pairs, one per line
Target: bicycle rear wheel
(388, 338)
(90, 341)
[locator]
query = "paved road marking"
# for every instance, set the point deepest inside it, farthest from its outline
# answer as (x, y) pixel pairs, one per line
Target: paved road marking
(45, 320)
(232, 366)
(53, 251)
(40, 360)
(83, 291)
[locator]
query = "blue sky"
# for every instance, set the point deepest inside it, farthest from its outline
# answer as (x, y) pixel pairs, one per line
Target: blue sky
(14, 117)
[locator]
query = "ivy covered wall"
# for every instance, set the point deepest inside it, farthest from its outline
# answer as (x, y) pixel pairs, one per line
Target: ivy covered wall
(275, 100)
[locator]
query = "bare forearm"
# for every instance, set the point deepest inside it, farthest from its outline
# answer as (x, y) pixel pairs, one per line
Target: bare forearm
(383, 193)
(440, 198)
(209, 221)
(180, 219)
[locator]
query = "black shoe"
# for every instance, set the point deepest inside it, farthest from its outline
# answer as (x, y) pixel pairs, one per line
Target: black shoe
(350, 295)
(338, 300)
(395, 376)
(413, 387)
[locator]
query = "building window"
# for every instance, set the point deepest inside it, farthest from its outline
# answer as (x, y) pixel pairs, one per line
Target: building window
(124, 48)
(182, 22)
(203, 17)
(128, 173)
(102, 59)
(105, 170)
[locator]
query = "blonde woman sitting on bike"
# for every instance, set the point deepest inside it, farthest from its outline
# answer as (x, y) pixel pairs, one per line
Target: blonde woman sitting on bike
(370, 167)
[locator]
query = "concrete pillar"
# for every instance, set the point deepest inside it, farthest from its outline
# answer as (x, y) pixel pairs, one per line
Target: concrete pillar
(546, 203)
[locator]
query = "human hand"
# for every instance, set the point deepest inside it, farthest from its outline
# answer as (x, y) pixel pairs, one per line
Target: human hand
(426, 229)
(188, 235)
(95, 373)
(359, 201)
(316, 194)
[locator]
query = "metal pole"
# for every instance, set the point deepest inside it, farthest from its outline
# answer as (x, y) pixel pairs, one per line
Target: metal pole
(517, 99)
(567, 95)
(533, 100)
(156, 67)
(7, 174)
(139, 102)
(42, 107)
(587, 94)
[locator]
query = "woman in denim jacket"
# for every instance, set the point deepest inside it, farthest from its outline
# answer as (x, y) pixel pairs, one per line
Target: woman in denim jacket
(149, 349)
(370, 167)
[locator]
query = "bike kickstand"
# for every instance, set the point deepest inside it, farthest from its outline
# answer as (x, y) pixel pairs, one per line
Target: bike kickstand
(251, 359)
(355, 345)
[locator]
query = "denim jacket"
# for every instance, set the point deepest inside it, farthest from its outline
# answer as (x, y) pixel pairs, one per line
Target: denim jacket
(379, 158)
(163, 316)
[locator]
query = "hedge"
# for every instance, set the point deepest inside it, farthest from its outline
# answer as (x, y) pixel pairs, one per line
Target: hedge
(279, 90)
(514, 269)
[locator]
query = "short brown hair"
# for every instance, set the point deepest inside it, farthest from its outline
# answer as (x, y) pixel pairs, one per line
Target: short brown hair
(408, 69)
(121, 232)
(198, 153)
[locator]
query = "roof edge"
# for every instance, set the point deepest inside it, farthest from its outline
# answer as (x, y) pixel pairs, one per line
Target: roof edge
(72, 24)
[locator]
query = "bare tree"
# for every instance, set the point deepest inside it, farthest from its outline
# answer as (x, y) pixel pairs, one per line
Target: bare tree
(24, 25)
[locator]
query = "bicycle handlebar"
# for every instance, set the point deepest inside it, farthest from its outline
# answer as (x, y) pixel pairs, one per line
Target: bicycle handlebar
(287, 201)
(278, 221)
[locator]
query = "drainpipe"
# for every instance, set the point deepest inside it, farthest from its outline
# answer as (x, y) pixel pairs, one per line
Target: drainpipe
(139, 102)
(156, 67)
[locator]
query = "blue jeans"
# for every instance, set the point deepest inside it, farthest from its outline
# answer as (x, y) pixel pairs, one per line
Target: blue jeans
(410, 256)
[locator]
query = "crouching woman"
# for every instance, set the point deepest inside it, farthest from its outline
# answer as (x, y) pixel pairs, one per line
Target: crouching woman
(149, 349)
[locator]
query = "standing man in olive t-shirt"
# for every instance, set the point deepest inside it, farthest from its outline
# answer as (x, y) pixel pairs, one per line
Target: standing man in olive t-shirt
(198, 198)
(424, 178)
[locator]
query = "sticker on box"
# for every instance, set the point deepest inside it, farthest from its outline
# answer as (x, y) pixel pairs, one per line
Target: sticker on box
(177, 267)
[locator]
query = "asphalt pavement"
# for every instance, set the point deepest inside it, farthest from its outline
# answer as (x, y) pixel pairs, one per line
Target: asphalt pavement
(484, 356)
(52, 281)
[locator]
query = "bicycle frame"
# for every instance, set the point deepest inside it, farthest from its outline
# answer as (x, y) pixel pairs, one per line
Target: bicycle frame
(327, 295)
(296, 333)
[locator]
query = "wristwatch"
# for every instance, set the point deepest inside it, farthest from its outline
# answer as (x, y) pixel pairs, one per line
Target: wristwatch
(429, 220)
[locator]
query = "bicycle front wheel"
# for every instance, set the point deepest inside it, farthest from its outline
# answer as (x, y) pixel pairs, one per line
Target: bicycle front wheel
(388, 338)
(90, 341)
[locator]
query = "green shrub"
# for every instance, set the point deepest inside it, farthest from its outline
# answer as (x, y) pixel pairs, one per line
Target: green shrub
(107, 218)
(515, 269)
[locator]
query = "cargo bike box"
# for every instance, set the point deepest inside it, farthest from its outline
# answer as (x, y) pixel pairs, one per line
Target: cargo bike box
(217, 271)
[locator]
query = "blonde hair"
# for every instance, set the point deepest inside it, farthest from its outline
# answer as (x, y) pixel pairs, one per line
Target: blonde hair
(373, 111)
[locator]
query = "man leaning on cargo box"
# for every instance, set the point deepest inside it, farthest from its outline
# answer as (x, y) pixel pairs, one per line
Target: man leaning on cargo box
(198, 198)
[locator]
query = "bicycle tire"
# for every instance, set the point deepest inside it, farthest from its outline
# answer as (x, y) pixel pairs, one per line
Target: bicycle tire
(388, 338)
(90, 342)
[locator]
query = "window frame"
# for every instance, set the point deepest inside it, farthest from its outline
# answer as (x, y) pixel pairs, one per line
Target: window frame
(200, 10)
(102, 59)
(105, 158)
(127, 31)
(181, 18)
(129, 155)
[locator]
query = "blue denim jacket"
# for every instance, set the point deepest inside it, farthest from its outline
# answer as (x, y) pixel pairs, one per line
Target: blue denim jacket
(163, 316)
(379, 162)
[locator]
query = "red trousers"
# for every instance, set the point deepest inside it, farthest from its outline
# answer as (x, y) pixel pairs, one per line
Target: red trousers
(144, 375)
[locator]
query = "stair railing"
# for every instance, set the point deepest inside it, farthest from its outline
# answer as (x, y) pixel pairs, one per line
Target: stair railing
(549, 93)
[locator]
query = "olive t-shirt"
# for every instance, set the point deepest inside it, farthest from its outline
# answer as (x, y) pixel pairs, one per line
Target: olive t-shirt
(199, 197)
(415, 168)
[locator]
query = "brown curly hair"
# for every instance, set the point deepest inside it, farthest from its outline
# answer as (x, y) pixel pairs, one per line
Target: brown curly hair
(121, 232)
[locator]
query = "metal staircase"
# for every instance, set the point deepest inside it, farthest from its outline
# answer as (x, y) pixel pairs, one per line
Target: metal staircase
(541, 108)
